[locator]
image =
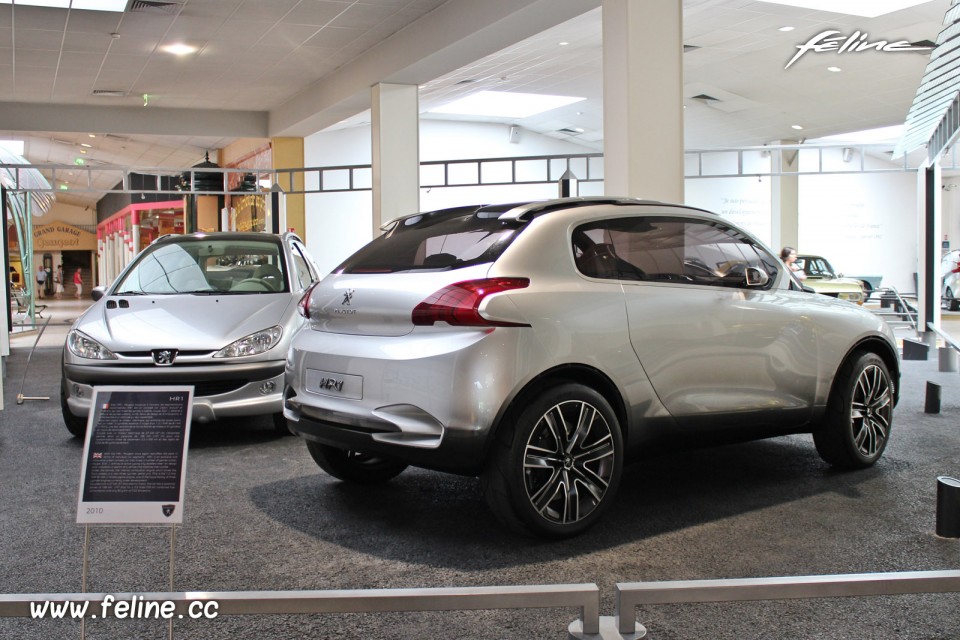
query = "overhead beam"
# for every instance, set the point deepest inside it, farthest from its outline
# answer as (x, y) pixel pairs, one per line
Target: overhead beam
(26, 116)
(456, 33)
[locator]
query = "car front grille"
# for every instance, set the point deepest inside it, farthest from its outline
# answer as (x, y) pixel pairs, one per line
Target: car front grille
(201, 389)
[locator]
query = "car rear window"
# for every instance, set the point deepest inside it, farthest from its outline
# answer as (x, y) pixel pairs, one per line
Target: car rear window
(435, 241)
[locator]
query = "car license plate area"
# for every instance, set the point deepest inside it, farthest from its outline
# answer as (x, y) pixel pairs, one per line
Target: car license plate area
(337, 385)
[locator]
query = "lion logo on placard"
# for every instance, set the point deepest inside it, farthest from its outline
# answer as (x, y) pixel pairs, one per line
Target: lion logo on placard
(168, 509)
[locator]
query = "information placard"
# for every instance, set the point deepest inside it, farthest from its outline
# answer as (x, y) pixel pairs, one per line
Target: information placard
(135, 456)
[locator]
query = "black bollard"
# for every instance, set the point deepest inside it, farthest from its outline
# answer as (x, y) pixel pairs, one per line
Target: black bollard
(932, 402)
(948, 507)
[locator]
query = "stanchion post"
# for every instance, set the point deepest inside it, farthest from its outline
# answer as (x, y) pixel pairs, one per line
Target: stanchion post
(932, 402)
(948, 507)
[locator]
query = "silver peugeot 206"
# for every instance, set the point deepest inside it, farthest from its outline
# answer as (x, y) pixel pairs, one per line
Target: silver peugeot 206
(541, 345)
(213, 310)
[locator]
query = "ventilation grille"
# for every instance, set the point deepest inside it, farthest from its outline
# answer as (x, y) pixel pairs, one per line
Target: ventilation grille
(154, 6)
(109, 93)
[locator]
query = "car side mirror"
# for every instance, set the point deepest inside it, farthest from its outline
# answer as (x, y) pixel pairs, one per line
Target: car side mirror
(756, 277)
(97, 292)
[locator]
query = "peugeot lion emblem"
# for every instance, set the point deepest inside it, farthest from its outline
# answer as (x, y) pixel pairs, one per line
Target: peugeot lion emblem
(168, 509)
(164, 357)
(347, 297)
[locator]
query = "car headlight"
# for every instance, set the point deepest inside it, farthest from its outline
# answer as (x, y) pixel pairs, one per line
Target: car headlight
(252, 344)
(83, 346)
(853, 296)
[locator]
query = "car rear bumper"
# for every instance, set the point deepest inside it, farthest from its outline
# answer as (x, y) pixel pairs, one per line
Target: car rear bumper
(220, 391)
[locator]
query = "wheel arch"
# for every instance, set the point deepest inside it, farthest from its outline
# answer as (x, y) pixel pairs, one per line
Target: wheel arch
(883, 349)
(577, 373)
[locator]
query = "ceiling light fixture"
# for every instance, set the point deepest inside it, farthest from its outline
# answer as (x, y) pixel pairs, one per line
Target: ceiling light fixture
(86, 146)
(505, 104)
(797, 127)
(90, 135)
(563, 44)
(786, 28)
(834, 69)
(179, 49)
(116, 6)
(870, 9)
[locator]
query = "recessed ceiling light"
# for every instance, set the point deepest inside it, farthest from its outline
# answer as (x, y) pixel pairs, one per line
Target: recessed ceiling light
(786, 28)
(90, 135)
(563, 44)
(870, 9)
(797, 127)
(834, 69)
(84, 5)
(505, 104)
(83, 150)
(179, 49)
(85, 145)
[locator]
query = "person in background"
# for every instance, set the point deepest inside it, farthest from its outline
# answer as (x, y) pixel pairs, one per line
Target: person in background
(78, 281)
(58, 282)
(41, 280)
(789, 257)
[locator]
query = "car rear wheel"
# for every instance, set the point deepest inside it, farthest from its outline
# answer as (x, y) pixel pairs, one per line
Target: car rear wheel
(77, 426)
(353, 466)
(952, 303)
(556, 469)
(856, 428)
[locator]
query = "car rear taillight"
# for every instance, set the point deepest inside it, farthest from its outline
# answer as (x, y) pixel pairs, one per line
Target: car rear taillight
(303, 307)
(459, 304)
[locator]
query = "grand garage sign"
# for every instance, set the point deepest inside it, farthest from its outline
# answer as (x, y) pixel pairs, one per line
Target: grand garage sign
(62, 236)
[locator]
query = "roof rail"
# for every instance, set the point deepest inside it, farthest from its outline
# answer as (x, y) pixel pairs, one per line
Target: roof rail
(545, 206)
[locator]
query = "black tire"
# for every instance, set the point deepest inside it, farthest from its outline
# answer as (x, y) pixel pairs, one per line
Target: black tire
(280, 427)
(859, 416)
(555, 470)
(76, 425)
(353, 466)
(952, 303)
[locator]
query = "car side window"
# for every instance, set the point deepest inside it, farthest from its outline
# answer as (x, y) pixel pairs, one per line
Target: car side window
(668, 249)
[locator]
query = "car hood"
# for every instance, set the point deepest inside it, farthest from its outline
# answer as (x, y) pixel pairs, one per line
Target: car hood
(833, 284)
(185, 322)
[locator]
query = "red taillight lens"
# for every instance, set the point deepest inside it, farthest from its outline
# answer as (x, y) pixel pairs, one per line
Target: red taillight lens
(458, 303)
(303, 306)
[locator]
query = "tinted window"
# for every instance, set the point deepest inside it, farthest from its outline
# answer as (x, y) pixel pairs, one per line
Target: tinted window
(660, 249)
(434, 241)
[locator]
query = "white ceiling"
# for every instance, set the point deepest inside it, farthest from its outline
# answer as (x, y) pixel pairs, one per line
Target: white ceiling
(293, 67)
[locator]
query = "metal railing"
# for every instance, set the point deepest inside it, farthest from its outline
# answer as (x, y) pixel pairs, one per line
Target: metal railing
(585, 597)
(902, 310)
(630, 595)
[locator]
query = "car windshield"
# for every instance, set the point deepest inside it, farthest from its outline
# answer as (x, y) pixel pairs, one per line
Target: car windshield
(815, 267)
(431, 241)
(206, 266)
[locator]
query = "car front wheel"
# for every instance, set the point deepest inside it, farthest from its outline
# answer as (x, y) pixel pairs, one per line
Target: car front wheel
(353, 466)
(556, 468)
(76, 425)
(856, 428)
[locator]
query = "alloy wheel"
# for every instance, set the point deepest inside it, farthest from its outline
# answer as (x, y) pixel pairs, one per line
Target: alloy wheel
(870, 411)
(568, 462)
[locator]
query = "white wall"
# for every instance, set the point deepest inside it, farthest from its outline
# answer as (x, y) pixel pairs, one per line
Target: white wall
(865, 224)
(340, 223)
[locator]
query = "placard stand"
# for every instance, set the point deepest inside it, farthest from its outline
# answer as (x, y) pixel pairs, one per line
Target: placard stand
(134, 464)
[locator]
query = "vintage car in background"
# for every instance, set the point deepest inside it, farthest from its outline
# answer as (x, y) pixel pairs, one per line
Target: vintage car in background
(822, 278)
(212, 310)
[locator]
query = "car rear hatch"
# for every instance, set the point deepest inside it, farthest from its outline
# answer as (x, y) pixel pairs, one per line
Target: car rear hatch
(378, 304)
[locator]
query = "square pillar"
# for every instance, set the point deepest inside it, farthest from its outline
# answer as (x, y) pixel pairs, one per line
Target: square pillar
(395, 132)
(643, 99)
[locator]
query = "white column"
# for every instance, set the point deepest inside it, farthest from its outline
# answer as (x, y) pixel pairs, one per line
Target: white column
(785, 196)
(395, 130)
(643, 99)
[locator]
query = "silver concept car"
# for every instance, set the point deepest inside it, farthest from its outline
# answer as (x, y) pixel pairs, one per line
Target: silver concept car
(213, 310)
(541, 345)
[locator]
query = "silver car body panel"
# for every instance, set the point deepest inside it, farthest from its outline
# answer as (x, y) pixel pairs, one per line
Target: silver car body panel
(670, 351)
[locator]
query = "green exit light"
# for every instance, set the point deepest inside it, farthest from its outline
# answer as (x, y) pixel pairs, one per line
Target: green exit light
(63, 187)
(79, 161)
